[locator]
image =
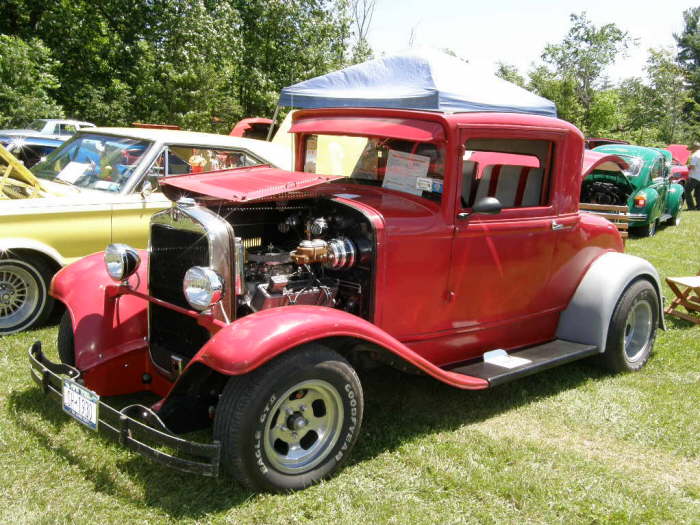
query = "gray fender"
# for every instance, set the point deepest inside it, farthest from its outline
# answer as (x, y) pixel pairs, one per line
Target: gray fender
(587, 317)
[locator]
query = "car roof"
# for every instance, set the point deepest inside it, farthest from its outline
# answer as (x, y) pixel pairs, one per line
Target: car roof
(646, 154)
(67, 121)
(280, 156)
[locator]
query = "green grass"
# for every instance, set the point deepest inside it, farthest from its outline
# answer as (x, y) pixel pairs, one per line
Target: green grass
(571, 445)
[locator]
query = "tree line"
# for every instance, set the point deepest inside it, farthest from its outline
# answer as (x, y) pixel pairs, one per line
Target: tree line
(205, 64)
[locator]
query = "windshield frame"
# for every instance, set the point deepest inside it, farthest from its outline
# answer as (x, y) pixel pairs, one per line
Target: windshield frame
(437, 178)
(38, 124)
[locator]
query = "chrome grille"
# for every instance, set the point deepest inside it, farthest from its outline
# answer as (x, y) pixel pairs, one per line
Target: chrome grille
(182, 238)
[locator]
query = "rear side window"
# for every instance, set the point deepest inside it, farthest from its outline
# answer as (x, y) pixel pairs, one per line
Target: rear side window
(515, 171)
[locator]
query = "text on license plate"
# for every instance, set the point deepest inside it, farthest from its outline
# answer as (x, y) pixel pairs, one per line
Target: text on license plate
(80, 403)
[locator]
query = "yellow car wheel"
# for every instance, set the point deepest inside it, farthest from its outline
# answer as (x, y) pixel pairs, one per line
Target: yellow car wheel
(24, 298)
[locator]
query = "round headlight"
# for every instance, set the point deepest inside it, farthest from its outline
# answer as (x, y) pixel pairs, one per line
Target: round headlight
(121, 261)
(203, 287)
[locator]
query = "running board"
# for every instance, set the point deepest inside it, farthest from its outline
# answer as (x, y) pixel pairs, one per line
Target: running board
(499, 367)
(665, 217)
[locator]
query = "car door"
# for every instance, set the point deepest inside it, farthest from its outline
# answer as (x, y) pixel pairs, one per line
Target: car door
(501, 263)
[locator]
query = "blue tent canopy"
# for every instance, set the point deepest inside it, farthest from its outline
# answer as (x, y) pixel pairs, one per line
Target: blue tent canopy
(416, 79)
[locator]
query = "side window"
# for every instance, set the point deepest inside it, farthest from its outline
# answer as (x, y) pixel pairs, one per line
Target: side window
(515, 171)
(656, 170)
(182, 160)
(67, 129)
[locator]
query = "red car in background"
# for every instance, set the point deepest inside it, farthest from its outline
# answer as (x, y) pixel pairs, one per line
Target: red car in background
(679, 169)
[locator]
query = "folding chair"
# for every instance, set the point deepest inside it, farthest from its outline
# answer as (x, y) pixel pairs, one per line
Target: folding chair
(687, 290)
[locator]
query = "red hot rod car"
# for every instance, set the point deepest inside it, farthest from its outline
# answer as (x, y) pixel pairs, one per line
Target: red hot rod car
(451, 244)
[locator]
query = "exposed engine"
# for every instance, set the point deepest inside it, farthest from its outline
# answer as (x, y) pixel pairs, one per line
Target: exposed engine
(308, 260)
(603, 192)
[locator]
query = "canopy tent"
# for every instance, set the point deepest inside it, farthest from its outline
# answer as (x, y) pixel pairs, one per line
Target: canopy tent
(416, 79)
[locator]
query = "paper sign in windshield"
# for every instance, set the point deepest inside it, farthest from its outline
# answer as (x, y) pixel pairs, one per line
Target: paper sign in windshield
(403, 171)
(73, 171)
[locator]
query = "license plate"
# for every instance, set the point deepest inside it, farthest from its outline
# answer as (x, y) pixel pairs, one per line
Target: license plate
(80, 403)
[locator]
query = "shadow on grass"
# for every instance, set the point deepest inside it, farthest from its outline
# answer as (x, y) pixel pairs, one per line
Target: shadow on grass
(180, 495)
(399, 408)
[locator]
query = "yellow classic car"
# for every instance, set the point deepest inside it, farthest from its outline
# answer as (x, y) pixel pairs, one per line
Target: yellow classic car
(98, 188)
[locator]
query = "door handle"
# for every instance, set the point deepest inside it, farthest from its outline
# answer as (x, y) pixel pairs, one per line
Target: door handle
(556, 226)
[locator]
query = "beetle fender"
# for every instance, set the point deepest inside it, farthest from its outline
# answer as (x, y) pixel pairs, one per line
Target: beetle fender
(103, 328)
(587, 317)
(251, 341)
(674, 200)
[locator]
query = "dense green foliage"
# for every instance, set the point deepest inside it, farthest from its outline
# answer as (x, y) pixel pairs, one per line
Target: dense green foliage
(27, 77)
(204, 64)
(201, 64)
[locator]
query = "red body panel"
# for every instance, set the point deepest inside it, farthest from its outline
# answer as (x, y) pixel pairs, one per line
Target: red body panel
(255, 339)
(445, 289)
(595, 160)
(243, 184)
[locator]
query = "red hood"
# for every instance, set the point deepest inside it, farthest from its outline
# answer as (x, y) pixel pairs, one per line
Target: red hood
(604, 161)
(242, 184)
(680, 152)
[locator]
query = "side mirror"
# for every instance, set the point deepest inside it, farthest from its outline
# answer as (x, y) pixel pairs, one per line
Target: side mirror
(487, 206)
(484, 206)
(146, 189)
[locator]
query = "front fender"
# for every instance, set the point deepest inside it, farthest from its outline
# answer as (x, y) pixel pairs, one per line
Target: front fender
(251, 341)
(103, 327)
(587, 317)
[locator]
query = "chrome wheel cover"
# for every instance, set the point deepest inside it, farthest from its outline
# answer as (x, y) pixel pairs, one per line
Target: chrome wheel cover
(19, 295)
(638, 330)
(303, 426)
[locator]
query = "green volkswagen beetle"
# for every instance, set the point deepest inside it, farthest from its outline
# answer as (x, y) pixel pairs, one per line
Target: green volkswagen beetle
(645, 187)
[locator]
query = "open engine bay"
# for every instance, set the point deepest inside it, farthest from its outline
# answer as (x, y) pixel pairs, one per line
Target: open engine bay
(313, 252)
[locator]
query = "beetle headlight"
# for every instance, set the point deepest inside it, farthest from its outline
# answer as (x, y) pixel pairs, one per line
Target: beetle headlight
(203, 287)
(121, 261)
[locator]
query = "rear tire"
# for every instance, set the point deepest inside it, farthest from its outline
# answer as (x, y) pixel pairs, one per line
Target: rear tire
(648, 230)
(65, 342)
(291, 422)
(676, 220)
(24, 299)
(632, 329)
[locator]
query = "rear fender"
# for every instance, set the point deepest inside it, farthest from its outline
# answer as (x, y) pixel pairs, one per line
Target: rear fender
(251, 341)
(587, 317)
(674, 198)
(104, 328)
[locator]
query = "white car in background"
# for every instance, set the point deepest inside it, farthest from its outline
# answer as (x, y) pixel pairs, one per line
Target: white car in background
(48, 127)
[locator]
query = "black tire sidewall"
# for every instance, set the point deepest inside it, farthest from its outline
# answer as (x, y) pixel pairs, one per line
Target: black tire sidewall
(41, 276)
(65, 340)
(615, 356)
(258, 472)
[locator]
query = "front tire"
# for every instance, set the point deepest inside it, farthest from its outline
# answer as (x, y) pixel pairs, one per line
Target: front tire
(65, 341)
(24, 298)
(632, 329)
(290, 423)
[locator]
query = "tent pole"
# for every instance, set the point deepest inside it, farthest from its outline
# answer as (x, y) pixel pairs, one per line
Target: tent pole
(272, 126)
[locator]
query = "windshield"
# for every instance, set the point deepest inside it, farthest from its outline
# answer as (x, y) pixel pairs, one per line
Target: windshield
(635, 165)
(408, 166)
(89, 160)
(36, 124)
